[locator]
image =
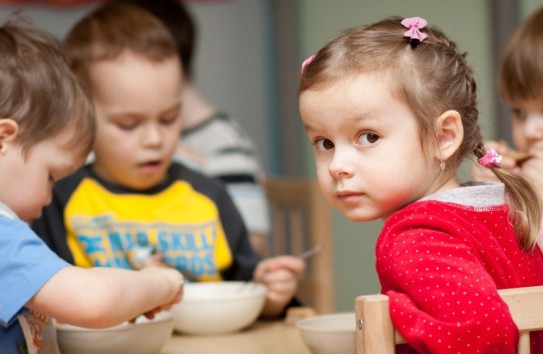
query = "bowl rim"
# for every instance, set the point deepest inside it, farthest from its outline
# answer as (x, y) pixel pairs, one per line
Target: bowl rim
(257, 289)
(161, 317)
(303, 324)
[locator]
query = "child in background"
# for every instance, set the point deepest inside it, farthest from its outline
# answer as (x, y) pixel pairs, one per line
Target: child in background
(133, 200)
(47, 128)
(391, 110)
(521, 86)
(211, 141)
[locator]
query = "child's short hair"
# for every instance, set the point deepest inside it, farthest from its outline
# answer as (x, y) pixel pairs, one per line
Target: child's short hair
(521, 70)
(38, 89)
(177, 18)
(113, 29)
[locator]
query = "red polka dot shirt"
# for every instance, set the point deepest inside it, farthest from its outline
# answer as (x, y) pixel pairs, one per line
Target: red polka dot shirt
(441, 261)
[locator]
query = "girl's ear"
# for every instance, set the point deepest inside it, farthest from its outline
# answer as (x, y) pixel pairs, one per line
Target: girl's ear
(8, 132)
(449, 134)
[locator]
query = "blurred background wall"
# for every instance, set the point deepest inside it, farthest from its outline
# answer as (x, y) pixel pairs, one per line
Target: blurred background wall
(248, 62)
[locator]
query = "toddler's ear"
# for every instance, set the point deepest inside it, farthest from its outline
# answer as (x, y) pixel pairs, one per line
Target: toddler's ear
(8, 132)
(449, 134)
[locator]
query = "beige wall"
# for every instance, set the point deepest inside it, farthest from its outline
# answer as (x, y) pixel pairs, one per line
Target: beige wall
(465, 21)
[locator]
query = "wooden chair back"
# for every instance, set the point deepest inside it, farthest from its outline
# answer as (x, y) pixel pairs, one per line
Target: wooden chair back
(300, 220)
(376, 334)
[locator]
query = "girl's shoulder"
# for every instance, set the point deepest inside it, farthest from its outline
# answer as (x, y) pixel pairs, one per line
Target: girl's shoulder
(465, 199)
(450, 212)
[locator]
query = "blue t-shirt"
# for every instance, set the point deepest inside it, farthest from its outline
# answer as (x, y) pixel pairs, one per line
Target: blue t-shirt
(26, 264)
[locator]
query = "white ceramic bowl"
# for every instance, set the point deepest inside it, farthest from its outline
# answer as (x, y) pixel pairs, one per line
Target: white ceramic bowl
(218, 307)
(143, 337)
(329, 334)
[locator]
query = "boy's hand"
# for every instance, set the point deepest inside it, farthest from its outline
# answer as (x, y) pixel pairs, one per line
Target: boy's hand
(280, 275)
(176, 281)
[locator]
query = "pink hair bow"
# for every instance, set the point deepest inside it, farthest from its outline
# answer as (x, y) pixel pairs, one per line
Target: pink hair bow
(307, 62)
(490, 159)
(414, 25)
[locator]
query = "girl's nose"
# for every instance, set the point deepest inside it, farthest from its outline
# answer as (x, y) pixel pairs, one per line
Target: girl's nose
(533, 128)
(342, 164)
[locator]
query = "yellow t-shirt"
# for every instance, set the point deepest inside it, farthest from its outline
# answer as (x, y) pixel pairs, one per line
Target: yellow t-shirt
(184, 219)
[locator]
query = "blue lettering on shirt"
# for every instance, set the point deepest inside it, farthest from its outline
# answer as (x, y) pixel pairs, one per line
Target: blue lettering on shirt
(186, 247)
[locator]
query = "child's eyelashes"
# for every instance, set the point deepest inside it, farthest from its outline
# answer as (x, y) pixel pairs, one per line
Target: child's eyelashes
(133, 126)
(128, 126)
(169, 120)
(323, 144)
(362, 139)
(518, 113)
(368, 138)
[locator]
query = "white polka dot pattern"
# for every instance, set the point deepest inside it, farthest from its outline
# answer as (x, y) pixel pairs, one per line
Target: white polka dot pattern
(441, 265)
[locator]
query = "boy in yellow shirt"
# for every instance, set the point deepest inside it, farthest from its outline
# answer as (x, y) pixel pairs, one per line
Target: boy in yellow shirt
(133, 200)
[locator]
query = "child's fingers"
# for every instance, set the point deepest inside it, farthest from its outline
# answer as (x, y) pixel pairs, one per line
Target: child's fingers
(290, 263)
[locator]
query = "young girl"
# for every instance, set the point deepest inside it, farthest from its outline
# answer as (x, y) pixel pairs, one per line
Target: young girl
(521, 86)
(47, 128)
(391, 110)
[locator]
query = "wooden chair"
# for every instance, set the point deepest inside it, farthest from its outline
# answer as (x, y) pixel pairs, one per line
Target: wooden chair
(300, 220)
(376, 334)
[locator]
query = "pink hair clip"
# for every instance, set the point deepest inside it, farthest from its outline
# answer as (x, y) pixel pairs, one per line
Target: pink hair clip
(307, 62)
(414, 25)
(490, 159)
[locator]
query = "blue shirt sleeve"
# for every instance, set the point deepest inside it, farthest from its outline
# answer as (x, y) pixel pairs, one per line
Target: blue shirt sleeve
(26, 264)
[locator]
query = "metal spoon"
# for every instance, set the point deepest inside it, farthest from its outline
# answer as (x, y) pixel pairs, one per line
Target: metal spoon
(310, 252)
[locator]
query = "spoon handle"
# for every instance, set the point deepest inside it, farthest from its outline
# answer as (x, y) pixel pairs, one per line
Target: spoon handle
(310, 252)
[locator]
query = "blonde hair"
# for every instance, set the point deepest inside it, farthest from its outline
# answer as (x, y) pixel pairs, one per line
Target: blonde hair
(432, 78)
(38, 89)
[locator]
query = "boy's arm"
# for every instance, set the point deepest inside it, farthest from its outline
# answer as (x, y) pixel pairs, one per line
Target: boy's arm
(103, 297)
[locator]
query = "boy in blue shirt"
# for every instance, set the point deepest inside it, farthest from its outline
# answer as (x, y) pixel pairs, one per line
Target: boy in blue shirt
(47, 127)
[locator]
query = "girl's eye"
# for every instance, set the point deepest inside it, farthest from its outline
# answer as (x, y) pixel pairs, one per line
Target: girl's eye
(368, 138)
(324, 144)
(518, 113)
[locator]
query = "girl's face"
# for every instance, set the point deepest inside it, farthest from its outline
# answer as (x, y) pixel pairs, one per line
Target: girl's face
(369, 158)
(528, 126)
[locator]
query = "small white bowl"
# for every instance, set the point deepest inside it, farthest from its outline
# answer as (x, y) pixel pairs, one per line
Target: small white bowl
(143, 337)
(218, 307)
(329, 334)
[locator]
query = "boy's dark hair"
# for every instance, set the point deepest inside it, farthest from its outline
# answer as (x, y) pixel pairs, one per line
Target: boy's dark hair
(113, 29)
(177, 18)
(38, 89)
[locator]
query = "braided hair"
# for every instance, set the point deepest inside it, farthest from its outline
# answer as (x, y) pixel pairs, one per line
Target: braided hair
(431, 78)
